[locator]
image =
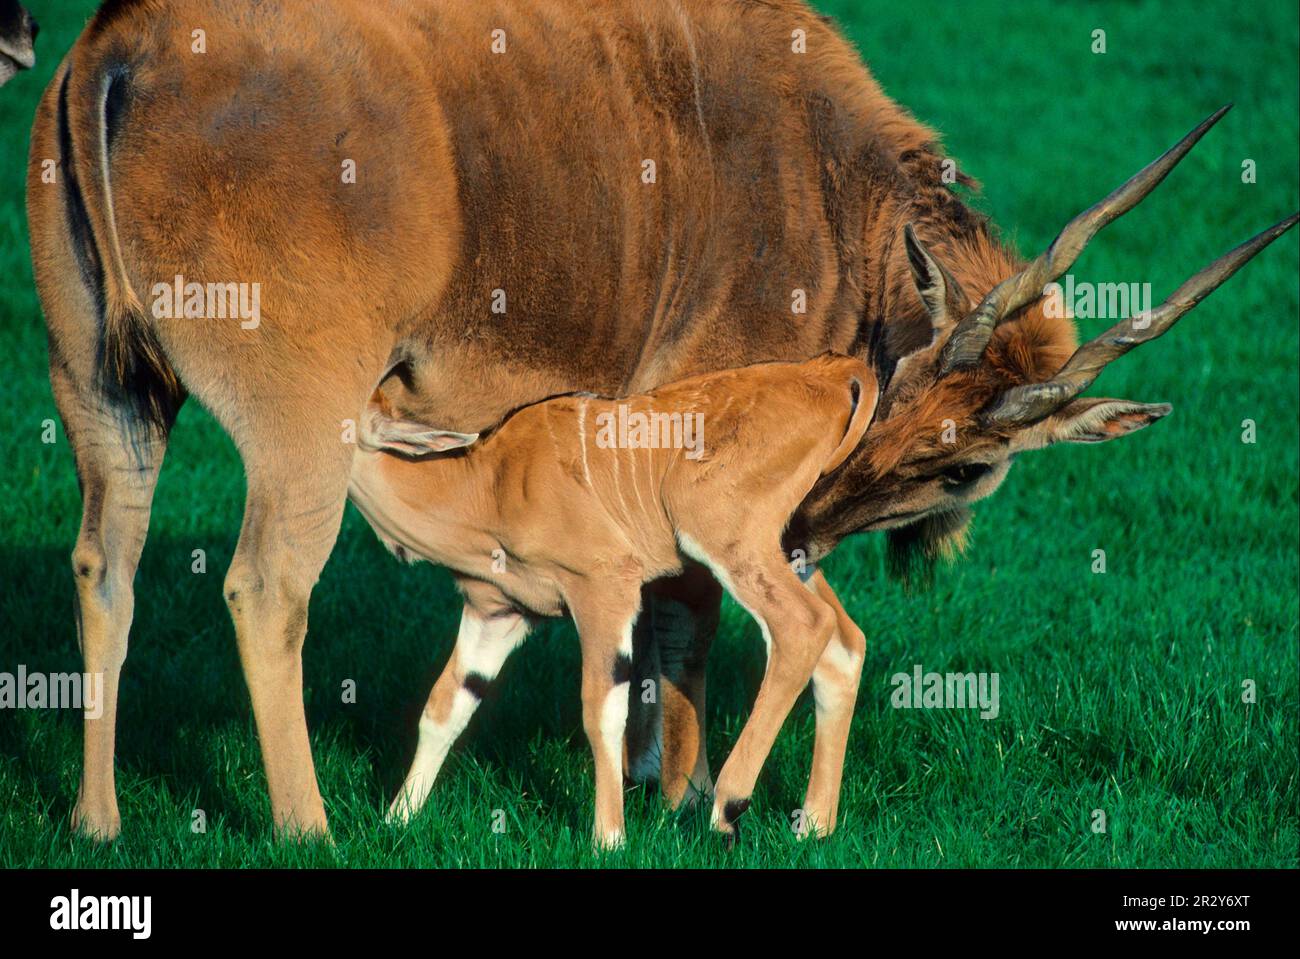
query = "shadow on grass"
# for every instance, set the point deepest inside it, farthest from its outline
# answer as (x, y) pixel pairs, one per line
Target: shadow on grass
(378, 637)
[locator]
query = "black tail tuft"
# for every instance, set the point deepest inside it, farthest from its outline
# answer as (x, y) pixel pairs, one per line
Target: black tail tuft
(133, 370)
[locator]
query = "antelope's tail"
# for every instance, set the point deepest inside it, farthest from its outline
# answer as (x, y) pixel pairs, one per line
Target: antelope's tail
(93, 104)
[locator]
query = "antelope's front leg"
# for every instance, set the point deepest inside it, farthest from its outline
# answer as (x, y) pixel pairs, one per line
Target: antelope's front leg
(835, 691)
(487, 637)
(605, 632)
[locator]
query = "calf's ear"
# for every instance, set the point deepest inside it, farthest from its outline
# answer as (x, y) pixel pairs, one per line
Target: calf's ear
(863, 394)
(410, 438)
(1092, 420)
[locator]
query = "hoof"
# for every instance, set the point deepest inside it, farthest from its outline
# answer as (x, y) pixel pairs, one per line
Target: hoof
(610, 842)
(103, 827)
(728, 824)
(811, 828)
(295, 832)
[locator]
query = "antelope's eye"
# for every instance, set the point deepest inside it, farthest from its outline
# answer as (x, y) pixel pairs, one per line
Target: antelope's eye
(964, 473)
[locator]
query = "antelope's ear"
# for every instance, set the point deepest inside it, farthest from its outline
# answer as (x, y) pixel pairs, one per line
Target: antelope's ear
(863, 395)
(384, 432)
(944, 299)
(1091, 420)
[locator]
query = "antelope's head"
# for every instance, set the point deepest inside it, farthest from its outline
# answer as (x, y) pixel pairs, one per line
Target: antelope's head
(996, 378)
(17, 36)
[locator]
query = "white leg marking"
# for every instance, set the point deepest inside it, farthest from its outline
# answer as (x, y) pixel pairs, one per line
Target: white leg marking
(613, 723)
(836, 672)
(436, 740)
(613, 727)
(482, 647)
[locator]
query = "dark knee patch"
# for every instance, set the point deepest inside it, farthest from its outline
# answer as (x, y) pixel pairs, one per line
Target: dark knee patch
(476, 684)
(241, 582)
(90, 570)
(622, 669)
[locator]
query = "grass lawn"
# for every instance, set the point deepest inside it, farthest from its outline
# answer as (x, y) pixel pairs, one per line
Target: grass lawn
(1119, 692)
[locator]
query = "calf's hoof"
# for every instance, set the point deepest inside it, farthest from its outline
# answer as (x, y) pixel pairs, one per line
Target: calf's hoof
(611, 841)
(400, 811)
(725, 816)
(811, 828)
(305, 828)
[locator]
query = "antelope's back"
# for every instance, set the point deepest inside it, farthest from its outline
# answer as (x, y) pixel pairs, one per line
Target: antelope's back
(513, 198)
(649, 189)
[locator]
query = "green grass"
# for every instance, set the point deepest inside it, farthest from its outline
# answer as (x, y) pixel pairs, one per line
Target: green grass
(1119, 692)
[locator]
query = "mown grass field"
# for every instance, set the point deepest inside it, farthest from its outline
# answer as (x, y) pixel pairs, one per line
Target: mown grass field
(1120, 692)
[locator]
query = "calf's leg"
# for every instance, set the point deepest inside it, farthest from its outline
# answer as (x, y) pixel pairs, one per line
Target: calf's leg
(488, 635)
(835, 690)
(605, 623)
(797, 627)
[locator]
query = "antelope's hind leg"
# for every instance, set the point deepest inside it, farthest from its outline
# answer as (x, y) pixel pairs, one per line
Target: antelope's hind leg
(288, 392)
(117, 468)
(489, 632)
(297, 463)
(117, 452)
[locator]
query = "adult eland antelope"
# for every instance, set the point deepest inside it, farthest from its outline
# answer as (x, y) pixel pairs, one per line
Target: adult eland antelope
(477, 205)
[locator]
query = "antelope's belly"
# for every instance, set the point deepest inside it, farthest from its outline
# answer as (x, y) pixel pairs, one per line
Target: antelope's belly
(412, 536)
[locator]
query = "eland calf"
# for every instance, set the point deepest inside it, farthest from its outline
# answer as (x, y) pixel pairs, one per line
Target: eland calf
(576, 502)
